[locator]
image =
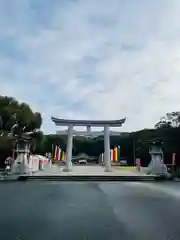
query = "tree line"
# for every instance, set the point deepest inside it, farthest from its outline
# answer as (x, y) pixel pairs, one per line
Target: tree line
(133, 144)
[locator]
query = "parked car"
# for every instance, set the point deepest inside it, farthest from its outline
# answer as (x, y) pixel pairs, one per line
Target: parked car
(82, 161)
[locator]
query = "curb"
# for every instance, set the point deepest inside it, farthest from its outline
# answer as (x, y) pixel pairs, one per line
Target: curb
(92, 178)
(85, 178)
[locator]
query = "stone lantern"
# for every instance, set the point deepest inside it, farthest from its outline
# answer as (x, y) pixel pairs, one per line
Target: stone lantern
(22, 143)
(156, 165)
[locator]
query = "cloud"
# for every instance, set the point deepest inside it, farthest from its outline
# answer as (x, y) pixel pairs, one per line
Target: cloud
(92, 59)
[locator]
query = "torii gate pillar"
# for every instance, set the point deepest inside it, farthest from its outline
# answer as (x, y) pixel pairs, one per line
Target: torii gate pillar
(107, 160)
(68, 167)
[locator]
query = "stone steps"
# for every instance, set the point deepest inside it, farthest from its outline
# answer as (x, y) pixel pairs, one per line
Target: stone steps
(88, 178)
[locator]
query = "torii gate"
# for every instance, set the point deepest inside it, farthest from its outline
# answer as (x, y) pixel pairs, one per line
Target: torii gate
(88, 124)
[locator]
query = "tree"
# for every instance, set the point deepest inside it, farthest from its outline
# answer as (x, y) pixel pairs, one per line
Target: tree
(170, 120)
(36, 122)
(11, 111)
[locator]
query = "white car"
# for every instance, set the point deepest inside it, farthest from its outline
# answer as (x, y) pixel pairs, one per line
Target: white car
(82, 161)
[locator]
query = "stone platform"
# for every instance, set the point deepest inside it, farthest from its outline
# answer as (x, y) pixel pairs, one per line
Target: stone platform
(89, 170)
(83, 173)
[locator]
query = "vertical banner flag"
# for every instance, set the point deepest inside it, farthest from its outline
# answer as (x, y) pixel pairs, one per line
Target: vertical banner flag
(55, 153)
(119, 153)
(116, 153)
(139, 164)
(174, 159)
(59, 154)
(62, 157)
(52, 151)
(103, 156)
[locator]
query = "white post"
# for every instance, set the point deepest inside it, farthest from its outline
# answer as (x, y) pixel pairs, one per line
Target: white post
(88, 129)
(69, 149)
(102, 157)
(50, 163)
(107, 160)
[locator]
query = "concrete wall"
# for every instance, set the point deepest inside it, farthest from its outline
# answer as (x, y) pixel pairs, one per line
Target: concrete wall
(24, 165)
(34, 163)
(20, 165)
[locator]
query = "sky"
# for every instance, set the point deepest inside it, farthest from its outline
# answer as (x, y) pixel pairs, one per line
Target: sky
(98, 59)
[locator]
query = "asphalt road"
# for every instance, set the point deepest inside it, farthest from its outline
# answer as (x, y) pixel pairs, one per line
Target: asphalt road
(107, 211)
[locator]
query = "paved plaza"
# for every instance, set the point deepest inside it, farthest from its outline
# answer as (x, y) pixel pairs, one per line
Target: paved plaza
(93, 170)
